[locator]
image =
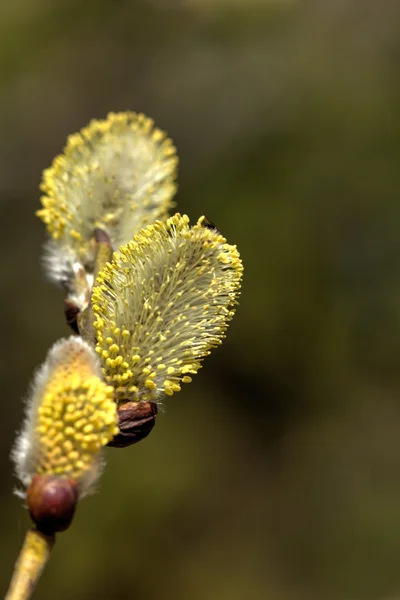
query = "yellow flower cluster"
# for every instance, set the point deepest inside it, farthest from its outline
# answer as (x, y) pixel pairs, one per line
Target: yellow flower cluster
(76, 418)
(71, 416)
(117, 174)
(162, 303)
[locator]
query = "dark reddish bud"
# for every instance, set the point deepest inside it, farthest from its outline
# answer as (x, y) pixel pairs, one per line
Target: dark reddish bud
(102, 237)
(71, 312)
(51, 502)
(135, 421)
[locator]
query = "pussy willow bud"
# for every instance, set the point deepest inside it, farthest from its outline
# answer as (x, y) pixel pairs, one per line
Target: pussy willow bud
(161, 305)
(70, 416)
(116, 174)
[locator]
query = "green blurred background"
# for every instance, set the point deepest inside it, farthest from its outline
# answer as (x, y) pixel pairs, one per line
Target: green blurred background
(276, 473)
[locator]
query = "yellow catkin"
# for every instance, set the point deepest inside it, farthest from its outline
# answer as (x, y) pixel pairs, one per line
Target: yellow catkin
(163, 303)
(117, 174)
(70, 417)
(76, 418)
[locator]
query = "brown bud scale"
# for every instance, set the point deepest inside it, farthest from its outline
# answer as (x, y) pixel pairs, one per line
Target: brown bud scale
(51, 502)
(135, 421)
(71, 312)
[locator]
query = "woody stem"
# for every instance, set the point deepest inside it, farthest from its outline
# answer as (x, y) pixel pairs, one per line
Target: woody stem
(103, 255)
(32, 559)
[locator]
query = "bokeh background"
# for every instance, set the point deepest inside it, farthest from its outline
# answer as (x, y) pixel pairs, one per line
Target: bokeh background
(276, 473)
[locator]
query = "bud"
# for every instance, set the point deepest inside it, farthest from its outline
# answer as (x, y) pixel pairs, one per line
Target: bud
(135, 421)
(51, 502)
(71, 313)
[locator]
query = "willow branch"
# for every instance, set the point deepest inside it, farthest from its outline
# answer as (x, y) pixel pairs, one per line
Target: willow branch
(103, 255)
(32, 559)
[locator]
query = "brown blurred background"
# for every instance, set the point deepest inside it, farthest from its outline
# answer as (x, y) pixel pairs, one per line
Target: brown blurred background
(276, 473)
